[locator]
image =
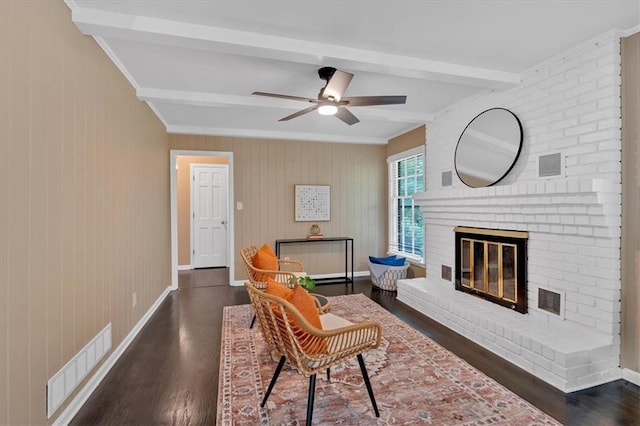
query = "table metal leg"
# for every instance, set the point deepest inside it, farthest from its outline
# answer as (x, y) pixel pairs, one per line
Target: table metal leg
(352, 262)
(346, 265)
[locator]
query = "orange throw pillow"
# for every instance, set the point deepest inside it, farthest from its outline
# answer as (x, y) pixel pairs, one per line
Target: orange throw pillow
(277, 289)
(306, 305)
(267, 249)
(265, 260)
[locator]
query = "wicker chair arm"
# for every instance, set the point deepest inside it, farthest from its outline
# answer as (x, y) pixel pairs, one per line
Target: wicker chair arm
(320, 349)
(271, 271)
(321, 309)
(280, 276)
(366, 333)
(290, 265)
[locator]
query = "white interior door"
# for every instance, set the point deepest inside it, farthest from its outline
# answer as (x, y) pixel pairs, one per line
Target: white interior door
(209, 209)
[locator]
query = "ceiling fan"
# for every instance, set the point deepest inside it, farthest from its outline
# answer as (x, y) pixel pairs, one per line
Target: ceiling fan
(330, 100)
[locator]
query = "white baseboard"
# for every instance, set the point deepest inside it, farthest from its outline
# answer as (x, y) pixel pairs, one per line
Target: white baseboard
(239, 283)
(341, 274)
(185, 267)
(83, 395)
(631, 376)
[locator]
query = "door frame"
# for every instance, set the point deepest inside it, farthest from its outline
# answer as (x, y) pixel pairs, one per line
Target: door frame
(173, 195)
(191, 207)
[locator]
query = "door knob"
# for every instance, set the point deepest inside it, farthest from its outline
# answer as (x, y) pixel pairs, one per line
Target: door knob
(224, 222)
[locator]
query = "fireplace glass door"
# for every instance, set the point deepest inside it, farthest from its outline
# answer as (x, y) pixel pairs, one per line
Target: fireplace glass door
(489, 268)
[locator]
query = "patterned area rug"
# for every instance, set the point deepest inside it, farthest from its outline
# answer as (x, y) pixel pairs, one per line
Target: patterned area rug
(415, 380)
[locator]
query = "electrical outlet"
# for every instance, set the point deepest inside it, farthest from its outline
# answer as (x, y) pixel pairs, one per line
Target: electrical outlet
(286, 258)
(135, 299)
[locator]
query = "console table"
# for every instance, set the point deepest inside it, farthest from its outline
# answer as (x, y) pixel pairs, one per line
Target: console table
(347, 241)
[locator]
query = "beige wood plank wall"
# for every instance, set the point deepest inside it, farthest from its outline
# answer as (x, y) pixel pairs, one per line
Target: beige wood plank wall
(406, 141)
(84, 202)
(265, 172)
(630, 328)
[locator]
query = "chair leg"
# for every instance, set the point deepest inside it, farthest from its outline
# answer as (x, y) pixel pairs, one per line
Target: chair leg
(365, 376)
(329, 375)
(252, 321)
(312, 392)
(273, 380)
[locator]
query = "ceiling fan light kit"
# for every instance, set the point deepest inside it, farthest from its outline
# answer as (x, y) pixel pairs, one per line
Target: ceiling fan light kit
(330, 100)
(327, 109)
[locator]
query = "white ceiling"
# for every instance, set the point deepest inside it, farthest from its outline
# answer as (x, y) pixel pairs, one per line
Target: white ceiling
(197, 62)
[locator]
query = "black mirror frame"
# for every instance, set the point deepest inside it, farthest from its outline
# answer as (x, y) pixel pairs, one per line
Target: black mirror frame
(515, 158)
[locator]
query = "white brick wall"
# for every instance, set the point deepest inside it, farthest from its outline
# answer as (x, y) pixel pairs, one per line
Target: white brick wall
(569, 104)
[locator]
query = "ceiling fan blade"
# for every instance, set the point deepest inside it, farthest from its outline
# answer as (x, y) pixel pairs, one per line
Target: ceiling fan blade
(375, 100)
(346, 116)
(336, 85)
(293, 98)
(299, 113)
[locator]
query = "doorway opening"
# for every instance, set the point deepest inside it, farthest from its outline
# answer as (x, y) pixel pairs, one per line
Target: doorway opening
(181, 201)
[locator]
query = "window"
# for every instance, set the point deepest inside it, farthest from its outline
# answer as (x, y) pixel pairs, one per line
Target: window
(406, 230)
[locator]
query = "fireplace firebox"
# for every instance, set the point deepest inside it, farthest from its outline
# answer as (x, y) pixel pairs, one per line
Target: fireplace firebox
(492, 264)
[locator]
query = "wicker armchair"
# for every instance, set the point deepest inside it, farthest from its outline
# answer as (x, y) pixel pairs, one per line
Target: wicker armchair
(258, 277)
(308, 349)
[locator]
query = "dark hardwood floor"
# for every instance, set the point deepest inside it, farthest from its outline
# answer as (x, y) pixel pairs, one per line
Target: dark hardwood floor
(206, 277)
(169, 374)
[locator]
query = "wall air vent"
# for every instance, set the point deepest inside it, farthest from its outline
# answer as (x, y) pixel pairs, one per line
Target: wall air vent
(447, 178)
(446, 272)
(550, 165)
(550, 301)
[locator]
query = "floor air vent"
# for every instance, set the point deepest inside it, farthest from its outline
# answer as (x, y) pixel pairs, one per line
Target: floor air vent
(550, 301)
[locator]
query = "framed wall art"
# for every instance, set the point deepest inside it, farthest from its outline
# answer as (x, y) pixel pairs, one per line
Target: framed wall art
(312, 203)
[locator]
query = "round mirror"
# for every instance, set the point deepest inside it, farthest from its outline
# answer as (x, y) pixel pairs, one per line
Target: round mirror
(488, 147)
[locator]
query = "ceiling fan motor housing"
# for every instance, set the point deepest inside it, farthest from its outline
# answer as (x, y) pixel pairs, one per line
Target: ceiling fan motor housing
(326, 73)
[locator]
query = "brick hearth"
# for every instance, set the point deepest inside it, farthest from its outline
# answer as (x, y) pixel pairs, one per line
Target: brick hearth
(559, 355)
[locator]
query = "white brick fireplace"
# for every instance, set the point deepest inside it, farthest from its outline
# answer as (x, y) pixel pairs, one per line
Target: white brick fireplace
(569, 105)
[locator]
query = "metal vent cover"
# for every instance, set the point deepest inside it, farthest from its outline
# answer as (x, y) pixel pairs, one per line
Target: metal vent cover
(447, 178)
(550, 165)
(446, 272)
(549, 301)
